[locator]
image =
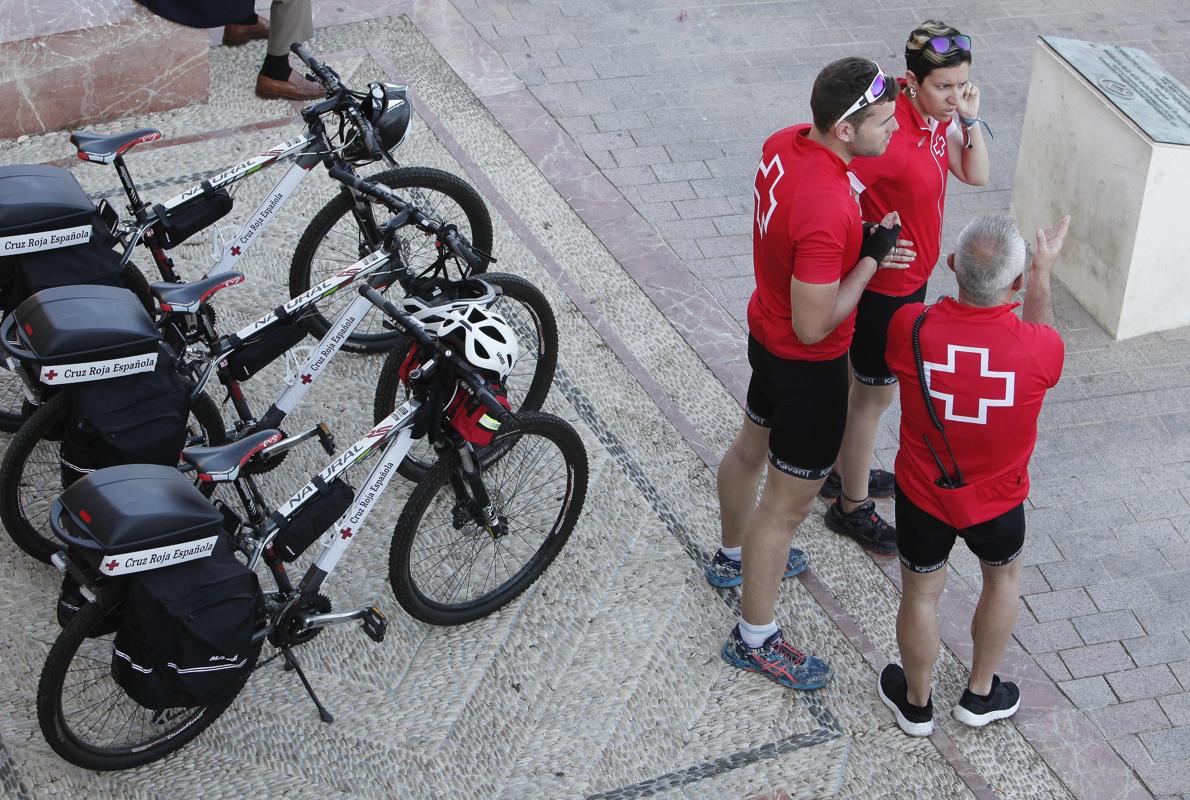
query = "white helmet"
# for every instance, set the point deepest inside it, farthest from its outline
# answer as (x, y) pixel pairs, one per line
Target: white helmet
(483, 337)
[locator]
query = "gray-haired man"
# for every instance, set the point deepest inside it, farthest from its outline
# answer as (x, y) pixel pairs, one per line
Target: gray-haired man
(972, 380)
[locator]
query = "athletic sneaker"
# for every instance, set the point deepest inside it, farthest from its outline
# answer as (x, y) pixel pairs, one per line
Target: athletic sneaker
(881, 483)
(1001, 703)
(724, 572)
(864, 525)
(894, 691)
(777, 660)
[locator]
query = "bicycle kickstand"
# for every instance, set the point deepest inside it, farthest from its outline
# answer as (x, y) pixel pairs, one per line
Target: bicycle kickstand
(291, 663)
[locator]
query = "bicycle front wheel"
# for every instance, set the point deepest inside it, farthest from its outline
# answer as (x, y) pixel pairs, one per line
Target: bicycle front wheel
(85, 715)
(31, 474)
(532, 319)
(339, 235)
(13, 404)
(446, 566)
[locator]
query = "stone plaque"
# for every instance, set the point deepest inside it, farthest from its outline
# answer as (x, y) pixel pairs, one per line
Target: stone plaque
(1152, 98)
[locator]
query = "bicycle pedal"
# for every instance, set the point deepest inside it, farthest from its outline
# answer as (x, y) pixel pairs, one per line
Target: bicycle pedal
(375, 624)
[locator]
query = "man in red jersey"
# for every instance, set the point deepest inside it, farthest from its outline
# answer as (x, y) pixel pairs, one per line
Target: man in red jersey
(939, 134)
(962, 468)
(812, 256)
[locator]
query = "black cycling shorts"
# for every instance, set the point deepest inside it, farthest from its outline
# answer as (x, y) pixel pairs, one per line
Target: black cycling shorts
(804, 406)
(924, 541)
(872, 316)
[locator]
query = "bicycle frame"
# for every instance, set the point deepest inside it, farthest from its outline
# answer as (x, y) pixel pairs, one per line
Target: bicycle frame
(393, 437)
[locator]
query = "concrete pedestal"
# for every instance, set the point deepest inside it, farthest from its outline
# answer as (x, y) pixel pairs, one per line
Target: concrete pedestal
(1127, 258)
(66, 63)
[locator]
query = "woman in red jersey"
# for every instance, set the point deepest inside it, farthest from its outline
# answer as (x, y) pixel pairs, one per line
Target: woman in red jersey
(939, 134)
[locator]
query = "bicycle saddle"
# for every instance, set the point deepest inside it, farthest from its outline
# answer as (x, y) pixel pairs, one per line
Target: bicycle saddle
(222, 464)
(186, 297)
(104, 149)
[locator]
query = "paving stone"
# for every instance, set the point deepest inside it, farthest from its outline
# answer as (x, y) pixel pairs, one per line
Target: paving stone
(1054, 666)
(1131, 593)
(1060, 605)
(1108, 626)
(1096, 659)
(1047, 637)
(1164, 617)
(1092, 692)
(1181, 669)
(1134, 717)
(1167, 745)
(1172, 587)
(1166, 778)
(1134, 684)
(1176, 708)
(1069, 574)
(1161, 648)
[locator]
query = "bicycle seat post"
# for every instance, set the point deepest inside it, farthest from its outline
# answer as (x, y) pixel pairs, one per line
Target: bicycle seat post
(136, 207)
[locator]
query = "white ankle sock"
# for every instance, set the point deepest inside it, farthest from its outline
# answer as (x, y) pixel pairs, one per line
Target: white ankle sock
(734, 553)
(754, 635)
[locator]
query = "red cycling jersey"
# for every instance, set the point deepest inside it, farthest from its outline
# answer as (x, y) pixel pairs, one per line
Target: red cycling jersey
(988, 373)
(910, 178)
(806, 226)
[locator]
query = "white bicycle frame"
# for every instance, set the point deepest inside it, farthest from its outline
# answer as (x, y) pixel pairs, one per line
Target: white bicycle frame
(393, 436)
(266, 212)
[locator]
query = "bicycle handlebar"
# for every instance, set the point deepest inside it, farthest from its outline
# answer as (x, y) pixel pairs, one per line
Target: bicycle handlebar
(469, 374)
(447, 234)
(325, 75)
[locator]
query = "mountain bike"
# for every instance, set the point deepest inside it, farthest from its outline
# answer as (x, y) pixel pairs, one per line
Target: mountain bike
(30, 471)
(467, 542)
(367, 125)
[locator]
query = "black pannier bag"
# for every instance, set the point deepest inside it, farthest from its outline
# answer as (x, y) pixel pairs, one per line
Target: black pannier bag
(136, 419)
(313, 520)
(51, 235)
(264, 349)
(178, 224)
(185, 638)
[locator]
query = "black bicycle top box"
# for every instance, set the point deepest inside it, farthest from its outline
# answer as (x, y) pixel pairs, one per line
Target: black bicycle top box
(137, 507)
(70, 323)
(41, 208)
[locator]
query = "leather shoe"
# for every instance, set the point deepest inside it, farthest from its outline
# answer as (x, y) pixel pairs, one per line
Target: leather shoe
(296, 88)
(239, 34)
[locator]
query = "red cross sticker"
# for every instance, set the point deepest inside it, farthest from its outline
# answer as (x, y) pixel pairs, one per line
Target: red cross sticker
(767, 177)
(345, 533)
(111, 565)
(307, 378)
(973, 386)
(49, 376)
(235, 251)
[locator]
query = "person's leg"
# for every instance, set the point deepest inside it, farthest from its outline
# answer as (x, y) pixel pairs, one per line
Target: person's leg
(865, 405)
(917, 629)
(291, 21)
(739, 479)
(769, 531)
(993, 622)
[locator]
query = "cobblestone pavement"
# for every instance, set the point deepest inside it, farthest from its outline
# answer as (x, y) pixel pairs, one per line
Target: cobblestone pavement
(603, 681)
(671, 99)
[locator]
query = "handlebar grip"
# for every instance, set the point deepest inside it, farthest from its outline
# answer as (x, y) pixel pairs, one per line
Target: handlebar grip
(324, 75)
(494, 406)
(462, 248)
(408, 323)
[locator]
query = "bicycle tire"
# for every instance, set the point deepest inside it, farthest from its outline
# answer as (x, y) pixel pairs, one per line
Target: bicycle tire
(26, 492)
(75, 646)
(532, 318)
(523, 442)
(471, 217)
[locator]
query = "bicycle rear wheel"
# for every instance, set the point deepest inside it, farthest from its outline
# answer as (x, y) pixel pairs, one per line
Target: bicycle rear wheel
(85, 715)
(446, 567)
(31, 470)
(336, 238)
(532, 319)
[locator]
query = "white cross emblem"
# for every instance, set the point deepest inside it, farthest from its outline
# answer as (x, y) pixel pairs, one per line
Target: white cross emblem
(985, 403)
(762, 171)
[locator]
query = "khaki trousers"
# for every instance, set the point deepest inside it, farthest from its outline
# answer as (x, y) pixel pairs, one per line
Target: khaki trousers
(290, 21)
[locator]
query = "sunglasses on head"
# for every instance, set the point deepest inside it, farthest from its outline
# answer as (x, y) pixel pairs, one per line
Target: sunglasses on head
(943, 44)
(871, 95)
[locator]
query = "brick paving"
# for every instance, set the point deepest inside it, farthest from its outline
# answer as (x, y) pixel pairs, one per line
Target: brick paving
(671, 100)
